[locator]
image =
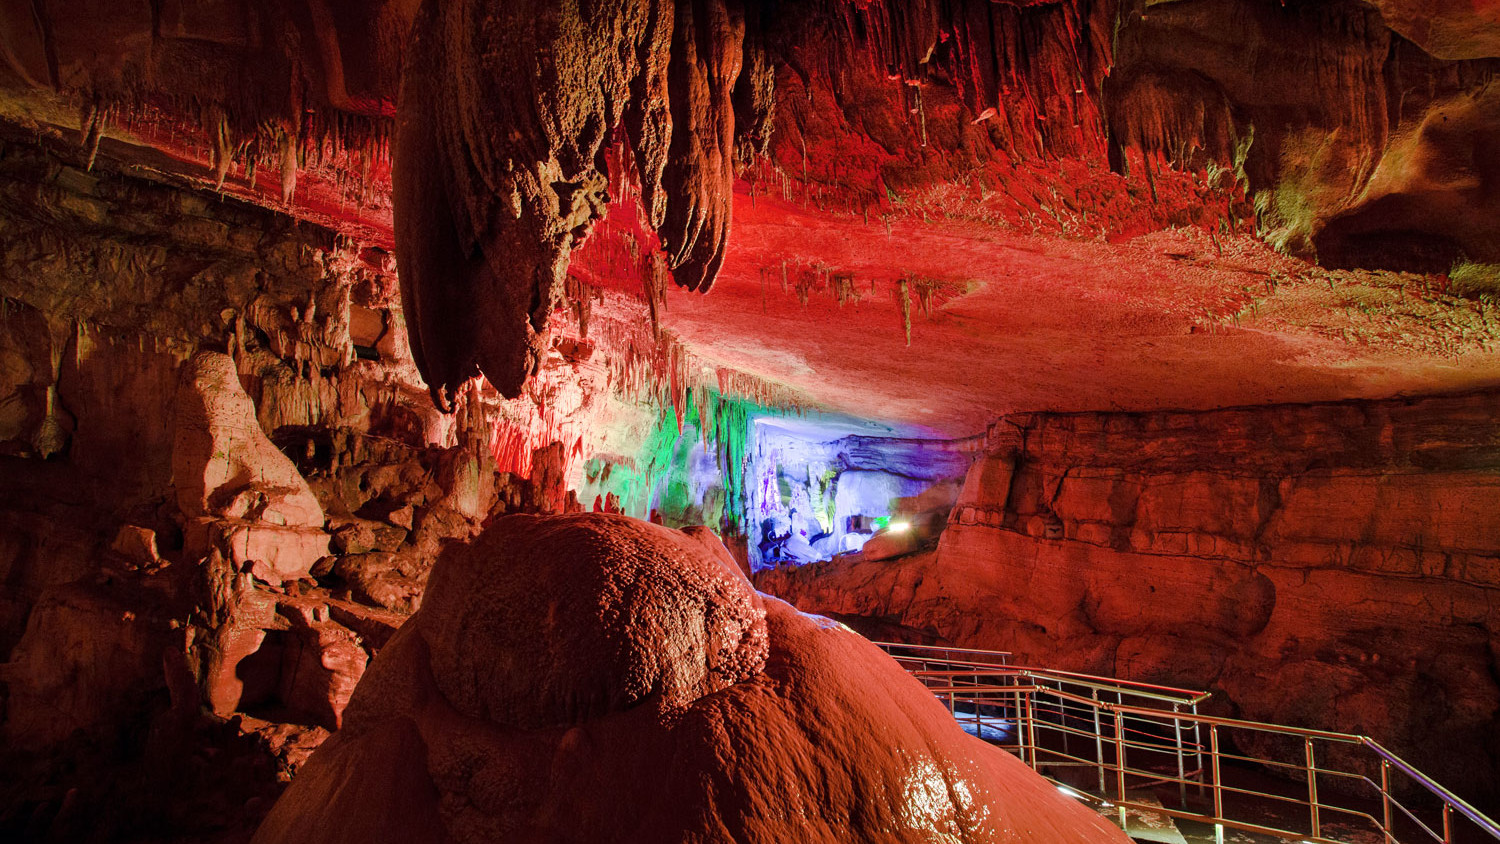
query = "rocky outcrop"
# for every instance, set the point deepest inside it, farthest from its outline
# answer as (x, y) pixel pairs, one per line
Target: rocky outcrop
(232, 482)
(214, 513)
(594, 677)
(503, 127)
(1332, 565)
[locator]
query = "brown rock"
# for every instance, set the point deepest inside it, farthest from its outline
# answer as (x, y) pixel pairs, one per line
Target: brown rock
(888, 544)
(224, 467)
(136, 544)
(598, 678)
(384, 579)
(234, 668)
(87, 658)
(321, 664)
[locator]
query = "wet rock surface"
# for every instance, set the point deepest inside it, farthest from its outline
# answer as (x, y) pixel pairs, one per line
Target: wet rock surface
(673, 703)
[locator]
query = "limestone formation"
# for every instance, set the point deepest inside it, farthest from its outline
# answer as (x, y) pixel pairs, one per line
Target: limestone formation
(594, 677)
(234, 484)
(254, 253)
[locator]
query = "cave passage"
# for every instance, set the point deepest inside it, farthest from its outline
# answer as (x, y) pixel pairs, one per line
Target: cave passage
(463, 421)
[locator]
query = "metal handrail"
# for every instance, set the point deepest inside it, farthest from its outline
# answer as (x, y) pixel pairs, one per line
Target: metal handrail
(1004, 656)
(1477, 817)
(1185, 696)
(1022, 693)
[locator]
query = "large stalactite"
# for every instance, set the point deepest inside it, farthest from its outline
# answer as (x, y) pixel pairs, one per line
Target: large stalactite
(506, 116)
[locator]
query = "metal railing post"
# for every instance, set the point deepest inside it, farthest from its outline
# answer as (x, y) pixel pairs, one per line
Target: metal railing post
(1213, 755)
(1181, 767)
(1120, 767)
(1120, 756)
(1385, 801)
(1098, 742)
(1020, 724)
(1312, 790)
(978, 721)
(1198, 748)
(1031, 728)
(1062, 717)
(1447, 822)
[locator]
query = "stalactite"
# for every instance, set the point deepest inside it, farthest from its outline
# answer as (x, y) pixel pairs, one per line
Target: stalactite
(92, 125)
(286, 152)
(843, 288)
(903, 301)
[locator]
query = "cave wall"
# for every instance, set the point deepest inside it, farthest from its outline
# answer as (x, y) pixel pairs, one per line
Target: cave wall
(225, 484)
(1331, 565)
(806, 479)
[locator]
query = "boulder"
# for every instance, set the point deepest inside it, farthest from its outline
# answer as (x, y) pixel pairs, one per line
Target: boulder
(322, 662)
(87, 658)
(888, 544)
(596, 678)
(383, 579)
(137, 545)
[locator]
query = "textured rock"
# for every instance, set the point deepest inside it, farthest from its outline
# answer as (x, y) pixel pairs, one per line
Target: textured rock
(86, 657)
(674, 703)
(502, 130)
(1449, 29)
(321, 664)
(134, 637)
(225, 468)
(246, 614)
(1324, 565)
(1354, 130)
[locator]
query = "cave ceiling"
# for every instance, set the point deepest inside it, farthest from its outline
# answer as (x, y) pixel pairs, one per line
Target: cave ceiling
(920, 212)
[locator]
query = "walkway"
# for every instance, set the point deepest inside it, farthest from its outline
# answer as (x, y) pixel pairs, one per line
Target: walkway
(1143, 754)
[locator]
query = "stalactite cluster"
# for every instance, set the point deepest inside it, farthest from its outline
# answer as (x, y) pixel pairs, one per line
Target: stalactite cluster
(519, 126)
(722, 424)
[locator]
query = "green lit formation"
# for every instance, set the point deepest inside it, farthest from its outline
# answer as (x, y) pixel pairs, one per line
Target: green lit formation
(691, 470)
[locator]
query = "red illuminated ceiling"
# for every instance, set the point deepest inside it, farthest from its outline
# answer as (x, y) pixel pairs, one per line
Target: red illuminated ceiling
(1162, 320)
(1070, 191)
(1023, 321)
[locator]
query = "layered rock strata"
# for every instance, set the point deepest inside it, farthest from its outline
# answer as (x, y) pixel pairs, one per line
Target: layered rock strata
(1333, 566)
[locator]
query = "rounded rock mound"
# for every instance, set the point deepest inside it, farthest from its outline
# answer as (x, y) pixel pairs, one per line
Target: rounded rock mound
(597, 678)
(556, 620)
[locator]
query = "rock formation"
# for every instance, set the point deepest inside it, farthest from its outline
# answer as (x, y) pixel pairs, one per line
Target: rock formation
(1327, 565)
(595, 677)
(231, 480)
(233, 444)
(506, 118)
(1356, 131)
(213, 513)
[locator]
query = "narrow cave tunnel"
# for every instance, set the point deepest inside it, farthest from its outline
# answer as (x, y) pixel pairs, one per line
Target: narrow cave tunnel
(750, 421)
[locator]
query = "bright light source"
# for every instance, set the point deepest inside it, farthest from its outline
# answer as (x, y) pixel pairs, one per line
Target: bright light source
(900, 527)
(1070, 792)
